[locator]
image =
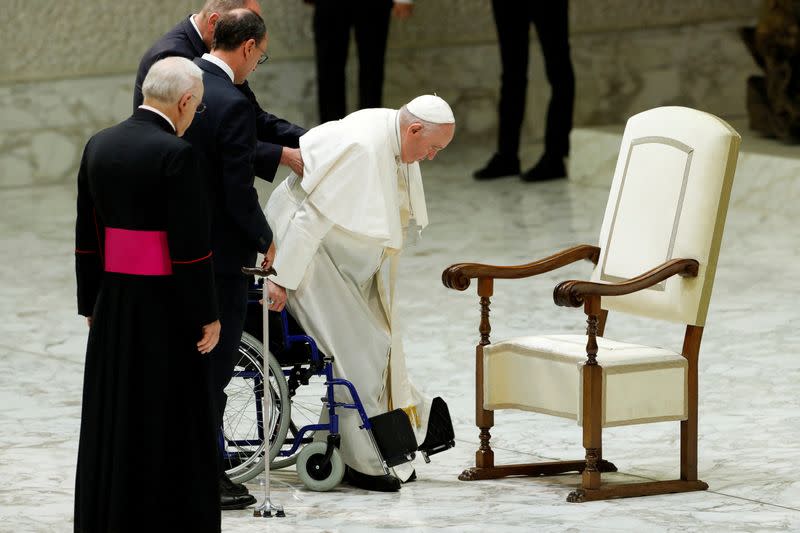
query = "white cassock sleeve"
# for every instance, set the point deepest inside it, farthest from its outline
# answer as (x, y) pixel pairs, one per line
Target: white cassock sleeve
(298, 244)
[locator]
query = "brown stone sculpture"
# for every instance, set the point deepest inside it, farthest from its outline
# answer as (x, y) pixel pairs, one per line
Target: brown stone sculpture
(773, 100)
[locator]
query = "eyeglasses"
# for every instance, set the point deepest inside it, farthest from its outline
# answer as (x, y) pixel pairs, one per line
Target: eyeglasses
(263, 59)
(200, 107)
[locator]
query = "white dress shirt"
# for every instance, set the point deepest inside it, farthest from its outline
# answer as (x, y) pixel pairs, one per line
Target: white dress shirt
(220, 63)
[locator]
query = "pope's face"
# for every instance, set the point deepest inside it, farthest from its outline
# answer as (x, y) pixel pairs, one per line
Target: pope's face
(420, 143)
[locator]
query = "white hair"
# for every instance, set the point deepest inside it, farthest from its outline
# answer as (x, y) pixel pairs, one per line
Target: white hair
(170, 78)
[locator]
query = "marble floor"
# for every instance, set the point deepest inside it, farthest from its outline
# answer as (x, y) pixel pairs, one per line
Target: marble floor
(749, 368)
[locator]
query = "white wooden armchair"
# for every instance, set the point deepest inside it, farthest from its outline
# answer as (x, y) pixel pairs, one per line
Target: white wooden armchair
(656, 257)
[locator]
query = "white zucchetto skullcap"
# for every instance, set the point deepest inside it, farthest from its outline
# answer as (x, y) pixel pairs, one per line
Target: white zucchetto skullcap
(431, 108)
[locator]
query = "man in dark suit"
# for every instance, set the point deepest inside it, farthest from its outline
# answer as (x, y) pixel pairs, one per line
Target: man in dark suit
(225, 134)
(191, 38)
(513, 21)
(145, 283)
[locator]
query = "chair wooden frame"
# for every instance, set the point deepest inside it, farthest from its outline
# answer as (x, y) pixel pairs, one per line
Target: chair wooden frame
(576, 293)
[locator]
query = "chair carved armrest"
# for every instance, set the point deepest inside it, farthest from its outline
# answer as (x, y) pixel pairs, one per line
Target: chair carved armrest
(458, 276)
(573, 293)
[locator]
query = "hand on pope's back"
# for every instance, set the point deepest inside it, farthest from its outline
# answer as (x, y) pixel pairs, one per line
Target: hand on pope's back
(210, 337)
(291, 158)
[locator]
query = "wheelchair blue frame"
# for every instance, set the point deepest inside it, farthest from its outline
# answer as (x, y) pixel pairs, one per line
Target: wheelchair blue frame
(325, 369)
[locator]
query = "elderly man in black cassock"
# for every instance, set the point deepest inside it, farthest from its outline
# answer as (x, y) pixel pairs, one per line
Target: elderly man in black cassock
(146, 285)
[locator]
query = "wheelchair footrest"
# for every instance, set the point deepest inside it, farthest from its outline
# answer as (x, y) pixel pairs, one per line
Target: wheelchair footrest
(394, 436)
(440, 436)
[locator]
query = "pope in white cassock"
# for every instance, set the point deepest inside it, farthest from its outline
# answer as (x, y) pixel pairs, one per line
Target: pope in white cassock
(358, 202)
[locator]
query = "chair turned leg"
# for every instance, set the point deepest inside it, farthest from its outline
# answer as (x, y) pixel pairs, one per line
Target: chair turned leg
(484, 457)
(592, 400)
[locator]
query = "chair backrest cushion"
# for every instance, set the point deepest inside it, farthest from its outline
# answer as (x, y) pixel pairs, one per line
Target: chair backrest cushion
(668, 200)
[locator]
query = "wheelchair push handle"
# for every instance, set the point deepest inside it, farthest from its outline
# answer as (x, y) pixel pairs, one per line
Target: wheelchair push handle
(259, 272)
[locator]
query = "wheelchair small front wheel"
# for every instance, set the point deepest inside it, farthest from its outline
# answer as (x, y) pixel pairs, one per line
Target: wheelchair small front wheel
(317, 474)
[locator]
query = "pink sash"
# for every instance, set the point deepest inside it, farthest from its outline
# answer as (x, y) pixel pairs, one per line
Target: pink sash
(141, 253)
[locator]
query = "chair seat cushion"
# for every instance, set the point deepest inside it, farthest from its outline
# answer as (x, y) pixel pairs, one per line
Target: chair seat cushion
(545, 374)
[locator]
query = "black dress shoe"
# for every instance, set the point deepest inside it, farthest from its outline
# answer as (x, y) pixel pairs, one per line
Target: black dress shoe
(440, 435)
(384, 483)
(499, 166)
(412, 477)
(548, 168)
(232, 503)
(229, 488)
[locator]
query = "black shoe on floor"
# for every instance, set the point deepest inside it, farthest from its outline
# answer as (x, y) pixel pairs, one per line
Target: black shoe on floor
(229, 488)
(440, 435)
(499, 166)
(548, 168)
(232, 503)
(412, 478)
(384, 483)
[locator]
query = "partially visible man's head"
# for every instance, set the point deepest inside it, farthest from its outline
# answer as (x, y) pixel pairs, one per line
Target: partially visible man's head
(427, 126)
(207, 18)
(241, 40)
(224, 6)
(174, 86)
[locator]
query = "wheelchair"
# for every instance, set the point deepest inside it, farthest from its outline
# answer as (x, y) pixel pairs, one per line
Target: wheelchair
(301, 385)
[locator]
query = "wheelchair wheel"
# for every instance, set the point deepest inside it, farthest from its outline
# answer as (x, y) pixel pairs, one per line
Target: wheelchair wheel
(243, 428)
(306, 408)
(313, 473)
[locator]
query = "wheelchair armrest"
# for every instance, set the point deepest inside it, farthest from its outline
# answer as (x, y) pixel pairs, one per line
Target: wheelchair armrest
(573, 292)
(458, 276)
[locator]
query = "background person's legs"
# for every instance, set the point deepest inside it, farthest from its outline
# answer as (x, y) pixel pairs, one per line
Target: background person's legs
(371, 20)
(552, 25)
(512, 20)
(332, 21)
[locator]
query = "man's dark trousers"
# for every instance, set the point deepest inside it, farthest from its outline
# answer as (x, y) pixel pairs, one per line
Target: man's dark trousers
(333, 20)
(513, 20)
(232, 305)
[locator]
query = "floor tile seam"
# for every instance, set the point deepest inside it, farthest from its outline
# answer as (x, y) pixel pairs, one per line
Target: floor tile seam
(15, 350)
(34, 186)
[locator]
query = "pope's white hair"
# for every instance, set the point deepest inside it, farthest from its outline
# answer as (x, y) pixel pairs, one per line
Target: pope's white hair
(170, 78)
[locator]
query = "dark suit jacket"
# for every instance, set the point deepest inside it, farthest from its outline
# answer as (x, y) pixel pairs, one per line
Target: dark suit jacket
(138, 175)
(225, 135)
(273, 133)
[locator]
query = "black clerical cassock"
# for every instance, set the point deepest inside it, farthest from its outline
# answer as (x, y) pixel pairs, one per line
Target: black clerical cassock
(147, 455)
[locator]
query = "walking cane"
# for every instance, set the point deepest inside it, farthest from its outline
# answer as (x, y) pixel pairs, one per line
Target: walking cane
(267, 508)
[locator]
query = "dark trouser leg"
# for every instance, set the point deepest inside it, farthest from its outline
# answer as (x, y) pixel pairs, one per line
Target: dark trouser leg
(332, 20)
(552, 24)
(513, 25)
(372, 31)
(232, 303)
